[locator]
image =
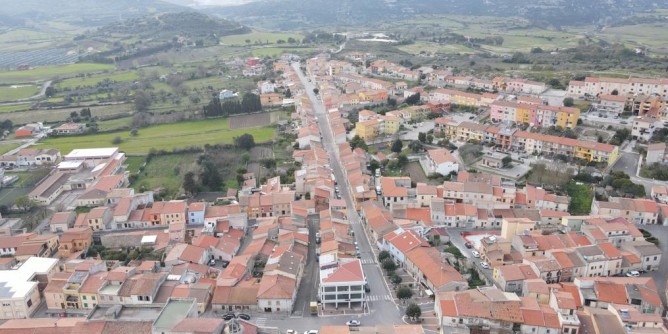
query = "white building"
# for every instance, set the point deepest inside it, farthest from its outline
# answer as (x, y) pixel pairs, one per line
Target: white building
(19, 296)
(441, 161)
(342, 283)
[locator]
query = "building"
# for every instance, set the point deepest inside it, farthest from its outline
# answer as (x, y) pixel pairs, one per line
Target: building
(20, 296)
(440, 161)
(657, 153)
(62, 221)
(611, 104)
(342, 284)
(597, 86)
(484, 308)
(74, 240)
(227, 94)
(643, 128)
(637, 210)
(276, 293)
(70, 128)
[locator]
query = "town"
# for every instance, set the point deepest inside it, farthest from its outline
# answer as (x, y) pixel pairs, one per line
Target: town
(419, 202)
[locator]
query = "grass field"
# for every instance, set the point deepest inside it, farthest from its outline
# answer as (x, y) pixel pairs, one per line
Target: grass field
(92, 81)
(418, 47)
(134, 163)
(48, 72)
(156, 175)
(273, 52)
(6, 147)
(114, 124)
(163, 137)
(14, 107)
(59, 115)
(650, 34)
(259, 38)
(11, 93)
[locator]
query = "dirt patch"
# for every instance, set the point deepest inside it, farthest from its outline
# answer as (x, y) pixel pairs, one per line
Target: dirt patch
(416, 172)
(260, 152)
(252, 121)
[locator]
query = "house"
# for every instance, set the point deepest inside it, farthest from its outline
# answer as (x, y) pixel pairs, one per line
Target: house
(240, 297)
(342, 283)
(493, 160)
(74, 240)
(657, 153)
(62, 221)
(99, 218)
(427, 266)
(637, 210)
(21, 296)
(276, 293)
(398, 243)
(511, 277)
(70, 128)
(613, 104)
(440, 161)
(488, 308)
(659, 193)
(271, 100)
(28, 130)
(196, 212)
(643, 128)
(227, 94)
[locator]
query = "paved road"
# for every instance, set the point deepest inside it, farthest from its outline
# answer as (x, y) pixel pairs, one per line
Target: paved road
(661, 233)
(308, 288)
(457, 240)
(381, 310)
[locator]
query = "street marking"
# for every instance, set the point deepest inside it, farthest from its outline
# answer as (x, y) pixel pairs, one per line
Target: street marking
(379, 297)
(368, 261)
(260, 322)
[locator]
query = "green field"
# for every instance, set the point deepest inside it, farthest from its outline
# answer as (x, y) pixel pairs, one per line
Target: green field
(163, 137)
(11, 93)
(59, 115)
(273, 52)
(92, 81)
(650, 34)
(114, 124)
(49, 72)
(165, 171)
(14, 107)
(6, 147)
(259, 38)
(134, 162)
(418, 47)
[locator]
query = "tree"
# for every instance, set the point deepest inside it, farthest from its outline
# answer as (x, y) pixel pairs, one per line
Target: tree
(413, 99)
(614, 92)
(210, 176)
(422, 137)
(396, 279)
(373, 165)
(316, 91)
(117, 140)
(142, 100)
(404, 293)
(134, 132)
(383, 255)
(24, 203)
(389, 265)
(402, 160)
(357, 141)
(415, 146)
(569, 102)
(189, 183)
(507, 161)
(288, 93)
(245, 141)
(397, 146)
(413, 311)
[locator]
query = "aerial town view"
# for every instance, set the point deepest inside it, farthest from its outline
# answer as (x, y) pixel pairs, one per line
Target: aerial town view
(333, 167)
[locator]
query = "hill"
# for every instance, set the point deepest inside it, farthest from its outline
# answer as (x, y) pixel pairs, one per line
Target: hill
(313, 13)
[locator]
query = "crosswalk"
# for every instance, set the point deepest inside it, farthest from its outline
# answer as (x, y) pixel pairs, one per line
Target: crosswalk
(379, 297)
(368, 261)
(260, 322)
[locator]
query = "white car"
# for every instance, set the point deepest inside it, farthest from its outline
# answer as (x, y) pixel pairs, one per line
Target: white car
(313, 331)
(353, 322)
(633, 274)
(475, 254)
(484, 265)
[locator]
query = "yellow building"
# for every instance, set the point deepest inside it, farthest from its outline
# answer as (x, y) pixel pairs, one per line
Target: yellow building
(568, 117)
(368, 130)
(391, 124)
(522, 115)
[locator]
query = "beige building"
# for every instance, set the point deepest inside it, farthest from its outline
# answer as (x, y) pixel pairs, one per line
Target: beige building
(20, 295)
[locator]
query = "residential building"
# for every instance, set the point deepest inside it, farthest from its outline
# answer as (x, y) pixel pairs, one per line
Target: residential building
(21, 296)
(342, 284)
(440, 161)
(75, 240)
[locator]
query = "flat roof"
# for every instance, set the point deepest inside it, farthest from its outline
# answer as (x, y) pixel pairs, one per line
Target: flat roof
(86, 153)
(174, 311)
(17, 283)
(69, 164)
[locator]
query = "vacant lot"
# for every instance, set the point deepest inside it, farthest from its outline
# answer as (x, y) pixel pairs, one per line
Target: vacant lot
(94, 80)
(59, 115)
(15, 92)
(273, 52)
(253, 121)
(49, 72)
(14, 107)
(166, 172)
(163, 137)
(6, 147)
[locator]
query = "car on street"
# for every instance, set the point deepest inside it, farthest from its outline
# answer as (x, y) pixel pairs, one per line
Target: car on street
(212, 262)
(313, 331)
(229, 316)
(484, 265)
(468, 245)
(243, 316)
(633, 274)
(353, 322)
(475, 254)
(290, 331)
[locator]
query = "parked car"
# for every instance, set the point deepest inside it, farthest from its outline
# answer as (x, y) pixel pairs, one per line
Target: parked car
(484, 265)
(633, 274)
(243, 316)
(225, 264)
(229, 316)
(475, 254)
(353, 322)
(290, 331)
(212, 262)
(313, 331)
(468, 245)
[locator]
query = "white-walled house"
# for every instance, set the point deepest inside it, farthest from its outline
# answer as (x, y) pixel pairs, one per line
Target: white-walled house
(440, 161)
(342, 284)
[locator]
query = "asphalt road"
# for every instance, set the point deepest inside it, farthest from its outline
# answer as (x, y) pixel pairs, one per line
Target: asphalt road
(381, 311)
(457, 240)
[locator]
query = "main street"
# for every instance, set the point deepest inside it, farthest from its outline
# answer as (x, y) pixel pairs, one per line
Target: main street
(381, 307)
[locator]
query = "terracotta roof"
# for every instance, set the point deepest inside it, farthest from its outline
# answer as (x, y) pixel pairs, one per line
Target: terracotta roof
(347, 272)
(611, 292)
(276, 287)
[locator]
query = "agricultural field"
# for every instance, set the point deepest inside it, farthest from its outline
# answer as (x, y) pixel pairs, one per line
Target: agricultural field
(22, 186)
(259, 38)
(163, 137)
(651, 35)
(156, 175)
(253, 121)
(15, 92)
(114, 124)
(14, 108)
(60, 115)
(429, 47)
(49, 72)
(6, 147)
(274, 52)
(93, 80)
